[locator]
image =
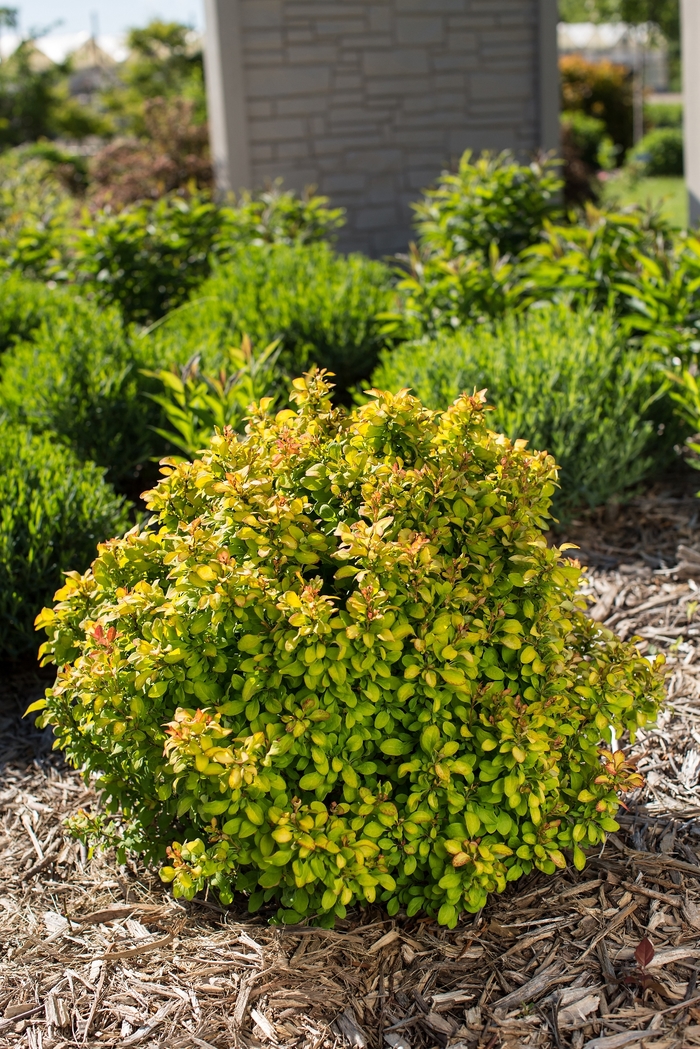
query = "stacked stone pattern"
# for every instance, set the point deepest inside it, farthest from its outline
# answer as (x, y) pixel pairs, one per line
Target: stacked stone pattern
(369, 100)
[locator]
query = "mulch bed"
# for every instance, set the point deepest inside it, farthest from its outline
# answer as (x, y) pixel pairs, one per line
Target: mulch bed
(98, 954)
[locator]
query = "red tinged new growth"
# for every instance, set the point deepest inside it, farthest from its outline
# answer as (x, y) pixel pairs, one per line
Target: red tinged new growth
(340, 665)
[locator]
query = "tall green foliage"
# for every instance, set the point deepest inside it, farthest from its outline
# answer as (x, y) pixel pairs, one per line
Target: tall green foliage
(146, 259)
(323, 306)
(562, 381)
(490, 200)
(79, 376)
(24, 305)
(53, 511)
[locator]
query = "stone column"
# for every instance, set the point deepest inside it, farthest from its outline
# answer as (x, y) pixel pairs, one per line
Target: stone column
(548, 76)
(226, 96)
(690, 40)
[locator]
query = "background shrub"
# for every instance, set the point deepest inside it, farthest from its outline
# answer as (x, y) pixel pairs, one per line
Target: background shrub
(587, 134)
(24, 304)
(587, 149)
(53, 511)
(274, 216)
(562, 381)
(491, 199)
(663, 114)
(324, 307)
(148, 258)
(660, 152)
(344, 666)
(79, 376)
(602, 90)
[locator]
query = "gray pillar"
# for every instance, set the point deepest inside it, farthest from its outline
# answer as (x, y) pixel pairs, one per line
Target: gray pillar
(690, 40)
(226, 96)
(548, 76)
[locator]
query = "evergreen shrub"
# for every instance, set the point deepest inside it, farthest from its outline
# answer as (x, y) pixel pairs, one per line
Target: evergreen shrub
(53, 511)
(565, 381)
(491, 199)
(323, 306)
(79, 376)
(23, 306)
(660, 152)
(341, 665)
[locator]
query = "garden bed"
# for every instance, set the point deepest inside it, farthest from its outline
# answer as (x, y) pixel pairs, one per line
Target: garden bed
(100, 954)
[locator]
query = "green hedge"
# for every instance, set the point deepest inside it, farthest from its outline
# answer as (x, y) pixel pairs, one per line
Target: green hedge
(660, 152)
(53, 511)
(562, 381)
(79, 375)
(23, 306)
(323, 305)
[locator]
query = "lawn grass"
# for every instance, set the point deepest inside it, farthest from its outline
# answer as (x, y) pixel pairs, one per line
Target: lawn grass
(621, 190)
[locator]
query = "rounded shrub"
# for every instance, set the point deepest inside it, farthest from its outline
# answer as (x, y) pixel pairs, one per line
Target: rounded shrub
(23, 306)
(489, 199)
(567, 381)
(324, 307)
(53, 511)
(341, 665)
(79, 375)
(661, 152)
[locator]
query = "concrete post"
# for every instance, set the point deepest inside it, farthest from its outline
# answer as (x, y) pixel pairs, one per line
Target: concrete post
(226, 96)
(690, 45)
(548, 77)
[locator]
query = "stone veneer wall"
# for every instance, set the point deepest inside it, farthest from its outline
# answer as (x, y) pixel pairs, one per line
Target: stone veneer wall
(369, 100)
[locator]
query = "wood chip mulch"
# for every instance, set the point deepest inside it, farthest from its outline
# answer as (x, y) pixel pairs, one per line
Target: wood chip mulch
(97, 954)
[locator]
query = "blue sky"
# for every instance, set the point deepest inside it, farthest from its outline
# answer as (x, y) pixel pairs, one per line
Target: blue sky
(112, 17)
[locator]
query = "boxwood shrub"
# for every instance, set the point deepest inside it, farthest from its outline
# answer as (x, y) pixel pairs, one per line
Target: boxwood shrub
(23, 306)
(341, 665)
(567, 382)
(79, 375)
(323, 305)
(53, 511)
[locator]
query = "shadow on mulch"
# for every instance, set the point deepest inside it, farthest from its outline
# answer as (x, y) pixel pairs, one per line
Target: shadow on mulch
(648, 527)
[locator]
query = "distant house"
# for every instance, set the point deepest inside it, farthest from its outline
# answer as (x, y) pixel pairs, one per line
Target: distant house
(369, 99)
(640, 48)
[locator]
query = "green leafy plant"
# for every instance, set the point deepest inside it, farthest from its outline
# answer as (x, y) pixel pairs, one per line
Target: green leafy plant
(275, 216)
(564, 381)
(79, 376)
(660, 152)
(24, 304)
(342, 665)
(659, 301)
(324, 307)
(491, 199)
(587, 149)
(663, 114)
(438, 293)
(602, 90)
(586, 260)
(196, 404)
(53, 511)
(148, 258)
(685, 392)
(36, 214)
(592, 259)
(588, 136)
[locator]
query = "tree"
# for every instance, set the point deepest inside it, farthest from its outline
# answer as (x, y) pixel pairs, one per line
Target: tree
(164, 63)
(663, 13)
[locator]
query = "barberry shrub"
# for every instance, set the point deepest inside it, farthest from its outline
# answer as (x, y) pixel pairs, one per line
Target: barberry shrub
(340, 664)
